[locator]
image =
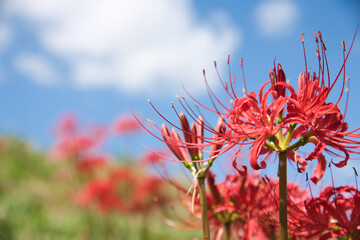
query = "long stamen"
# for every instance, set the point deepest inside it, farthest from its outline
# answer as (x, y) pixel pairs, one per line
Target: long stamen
(207, 126)
(347, 55)
(162, 116)
(224, 84)
(325, 61)
(213, 96)
(332, 177)
(307, 180)
(191, 113)
(243, 74)
(343, 85)
(322, 58)
(356, 175)
(303, 44)
(320, 75)
(199, 103)
(319, 58)
(230, 79)
(344, 50)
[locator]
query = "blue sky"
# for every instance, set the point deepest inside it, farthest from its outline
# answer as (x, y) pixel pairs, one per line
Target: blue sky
(98, 59)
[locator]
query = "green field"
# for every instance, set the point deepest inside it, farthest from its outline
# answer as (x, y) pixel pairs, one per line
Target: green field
(36, 203)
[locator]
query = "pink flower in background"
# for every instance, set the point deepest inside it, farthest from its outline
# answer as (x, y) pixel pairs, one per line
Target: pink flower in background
(100, 193)
(123, 190)
(126, 124)
(91, 163)
(75, 142)
(66, 126)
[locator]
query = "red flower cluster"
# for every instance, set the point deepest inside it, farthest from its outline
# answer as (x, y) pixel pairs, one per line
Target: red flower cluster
(123, 191)
(246, 206)
(241, 203)
(105, 185)
(79, 145)
(334, 214)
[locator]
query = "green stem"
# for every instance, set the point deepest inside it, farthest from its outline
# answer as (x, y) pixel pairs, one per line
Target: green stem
(204, 212)
(283, 196)
(289, 134)
(272, 232)
(227, 231)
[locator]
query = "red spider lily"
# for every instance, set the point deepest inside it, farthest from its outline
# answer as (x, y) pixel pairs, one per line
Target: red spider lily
(100, 193)
(334, 214)
(295, 199)
(345, 211)
(290, 119)
(318, 121)
(112, 193)
(149, 193)
(253, 119)
(74, 142)
(324, 121)
(240, 203)
(123, 191)
(74, 146)
(248, 206)
(90, 163)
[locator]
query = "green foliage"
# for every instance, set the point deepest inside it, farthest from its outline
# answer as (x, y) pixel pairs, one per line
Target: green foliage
(37, 203)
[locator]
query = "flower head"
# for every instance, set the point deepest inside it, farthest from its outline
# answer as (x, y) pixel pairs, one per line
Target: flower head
(239, 202)
(190, 148)
(280, 119)
(335, 213)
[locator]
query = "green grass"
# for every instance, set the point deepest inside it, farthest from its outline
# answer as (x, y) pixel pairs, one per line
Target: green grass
(36, 204)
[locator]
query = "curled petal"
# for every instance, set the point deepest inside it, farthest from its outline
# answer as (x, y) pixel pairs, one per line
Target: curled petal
(317, 151)
(298, 160)
(243, 170)
(319, 170)
(343, 162)
(255, 151)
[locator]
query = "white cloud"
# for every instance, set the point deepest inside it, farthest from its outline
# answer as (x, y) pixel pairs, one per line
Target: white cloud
(134, 45)
(36, 68)
(5, 36)
(276, 18)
